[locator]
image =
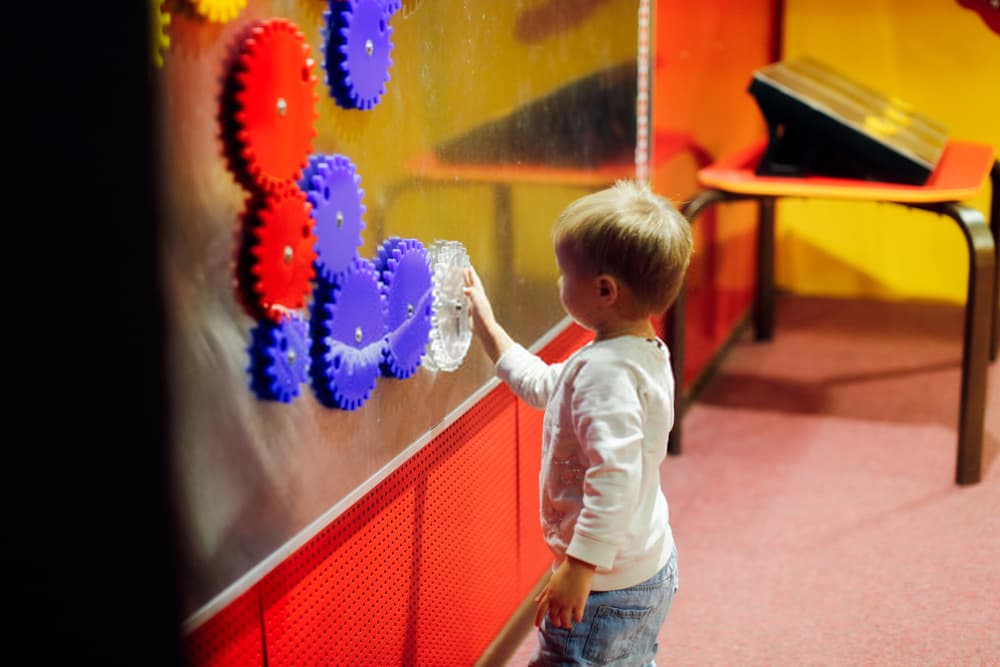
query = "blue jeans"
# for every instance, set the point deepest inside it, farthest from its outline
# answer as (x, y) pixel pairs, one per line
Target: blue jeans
(618, 628)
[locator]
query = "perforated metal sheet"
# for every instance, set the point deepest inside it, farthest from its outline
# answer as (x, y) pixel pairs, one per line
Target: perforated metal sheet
(424, 570)
(421, 571)
(231, 638)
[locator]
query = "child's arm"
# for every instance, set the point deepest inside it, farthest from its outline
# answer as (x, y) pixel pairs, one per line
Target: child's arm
(565, 595)
(495, 338)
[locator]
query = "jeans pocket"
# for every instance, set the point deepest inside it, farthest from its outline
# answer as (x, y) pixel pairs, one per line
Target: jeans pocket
(614, 633)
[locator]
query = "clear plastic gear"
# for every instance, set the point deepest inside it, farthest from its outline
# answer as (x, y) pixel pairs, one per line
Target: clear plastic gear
(279, 358)
(348, 320)
(450, 335)
(219, 11)
(160, 39)
(268, 107)
(356, 45)
(407, 284)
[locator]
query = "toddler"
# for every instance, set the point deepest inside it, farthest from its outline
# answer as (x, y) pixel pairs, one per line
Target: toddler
(622, 254)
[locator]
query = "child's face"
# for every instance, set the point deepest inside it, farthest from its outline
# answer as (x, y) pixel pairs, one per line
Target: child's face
(577, 287)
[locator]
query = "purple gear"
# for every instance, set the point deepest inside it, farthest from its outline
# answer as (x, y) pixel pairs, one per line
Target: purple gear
(349, 337)
(356, 45)
(332, 186)
(408, 287)
(279, 358)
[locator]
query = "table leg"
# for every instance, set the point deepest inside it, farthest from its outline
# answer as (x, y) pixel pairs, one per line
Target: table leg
(674, 331)
(763, 308)
(674, 324)
(979, 312)
(995, 227)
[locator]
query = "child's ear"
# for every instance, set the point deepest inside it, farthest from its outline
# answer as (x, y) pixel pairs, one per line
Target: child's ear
(607, 288)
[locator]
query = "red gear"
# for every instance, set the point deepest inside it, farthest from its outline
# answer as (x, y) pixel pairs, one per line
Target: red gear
(279, 251)
(274, 111)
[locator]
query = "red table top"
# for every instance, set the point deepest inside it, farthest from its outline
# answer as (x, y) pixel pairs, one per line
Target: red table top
(959, 174)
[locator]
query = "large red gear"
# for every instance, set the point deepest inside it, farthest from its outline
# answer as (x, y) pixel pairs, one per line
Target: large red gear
(269, 105)
(278, 249)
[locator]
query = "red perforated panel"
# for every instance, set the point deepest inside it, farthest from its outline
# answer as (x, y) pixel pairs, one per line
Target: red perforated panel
(231, 638)
(422, 570)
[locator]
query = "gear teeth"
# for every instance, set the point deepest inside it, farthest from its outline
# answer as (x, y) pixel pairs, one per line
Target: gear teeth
(359, 19)
(279, 358)
(248, 136)
(219, 11)
(338, 210)
(450, 335)
(406, 287)
(352, 328)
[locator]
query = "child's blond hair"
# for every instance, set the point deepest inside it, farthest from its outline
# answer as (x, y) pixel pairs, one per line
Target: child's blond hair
(632, 234)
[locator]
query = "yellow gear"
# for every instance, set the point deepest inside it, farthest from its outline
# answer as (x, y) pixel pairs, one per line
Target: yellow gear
(160, 40)
(219, 11)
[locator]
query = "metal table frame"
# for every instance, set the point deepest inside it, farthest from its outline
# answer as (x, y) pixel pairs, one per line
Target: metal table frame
(981, 304)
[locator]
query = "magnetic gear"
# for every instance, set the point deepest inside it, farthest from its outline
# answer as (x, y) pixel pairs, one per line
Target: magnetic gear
(348, 319)
(333, 187)
(279, 358)
(276, 251)
(450, 335)
(268, 111)
(160, 39)
(356, 45)
(406, 282)
(219, 11)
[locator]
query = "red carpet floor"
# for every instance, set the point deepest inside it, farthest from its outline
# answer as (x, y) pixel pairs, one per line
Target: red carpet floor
(814, 506)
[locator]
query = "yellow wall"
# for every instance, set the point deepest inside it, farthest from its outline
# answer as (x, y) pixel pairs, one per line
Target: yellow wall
(943, 60)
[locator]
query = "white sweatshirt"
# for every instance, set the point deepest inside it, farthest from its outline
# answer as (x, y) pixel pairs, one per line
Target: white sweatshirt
(608, 413)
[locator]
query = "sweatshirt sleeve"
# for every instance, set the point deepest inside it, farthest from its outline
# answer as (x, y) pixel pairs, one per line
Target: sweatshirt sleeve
(527, 375)
(607, 419)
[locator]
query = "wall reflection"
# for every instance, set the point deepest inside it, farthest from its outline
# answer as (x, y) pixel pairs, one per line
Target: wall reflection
(494, 117)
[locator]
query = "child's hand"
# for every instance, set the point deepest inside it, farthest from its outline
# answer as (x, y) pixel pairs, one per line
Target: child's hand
(480, 310)
(493, 336)
(565, 595)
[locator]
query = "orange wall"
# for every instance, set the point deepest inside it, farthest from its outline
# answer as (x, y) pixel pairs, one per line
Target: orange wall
(943, 59)
(705, 55)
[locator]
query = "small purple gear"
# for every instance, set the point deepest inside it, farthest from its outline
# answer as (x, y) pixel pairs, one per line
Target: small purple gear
(279, 358)
(356, 42)
(408, 287)
(333, 188)
(349, 337)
